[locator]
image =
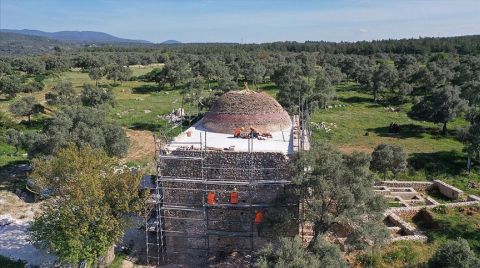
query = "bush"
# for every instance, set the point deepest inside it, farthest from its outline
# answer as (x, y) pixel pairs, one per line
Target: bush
(368, 260)
(454, 254)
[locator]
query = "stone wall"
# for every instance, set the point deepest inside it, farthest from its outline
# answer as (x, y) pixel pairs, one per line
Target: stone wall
(417, 185)
(448, 190)
(229, 225)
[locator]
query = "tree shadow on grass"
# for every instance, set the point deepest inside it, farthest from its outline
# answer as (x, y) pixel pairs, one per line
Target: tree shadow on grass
(453, 227)
(439, 163)
(406, 131)
(355, 99)
(13, 173)
(37, 124)
(147, 126)
(145, 89)
(267, 87)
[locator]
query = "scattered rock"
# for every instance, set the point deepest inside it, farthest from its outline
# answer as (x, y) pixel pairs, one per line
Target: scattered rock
(473, 185)
(328, 127)
(392, 109)
(174, 117)
(147, 111)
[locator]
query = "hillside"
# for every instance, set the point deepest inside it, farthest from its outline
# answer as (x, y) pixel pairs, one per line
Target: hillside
(77, 36)
(19, 44)
(171, 42)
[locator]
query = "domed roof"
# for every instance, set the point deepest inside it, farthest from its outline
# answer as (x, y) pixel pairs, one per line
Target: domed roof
(246, 108)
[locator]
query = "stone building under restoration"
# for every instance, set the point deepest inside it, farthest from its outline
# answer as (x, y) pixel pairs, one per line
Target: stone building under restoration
(213, 189)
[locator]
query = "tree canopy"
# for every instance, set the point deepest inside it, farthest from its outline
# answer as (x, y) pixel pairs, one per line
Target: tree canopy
(82, 126)
(441, 107)
(26, 106)
(85, 213)
(454, 254)
(386, 158)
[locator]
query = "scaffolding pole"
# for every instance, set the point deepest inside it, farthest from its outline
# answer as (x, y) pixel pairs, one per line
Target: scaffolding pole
(158, 234)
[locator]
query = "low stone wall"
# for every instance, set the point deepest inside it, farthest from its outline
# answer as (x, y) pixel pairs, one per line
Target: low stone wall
(473, 198)
(417, 185)
(406, 227)
(448, 190)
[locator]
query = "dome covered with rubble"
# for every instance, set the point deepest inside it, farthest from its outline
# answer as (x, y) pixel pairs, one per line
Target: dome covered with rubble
(246, 108)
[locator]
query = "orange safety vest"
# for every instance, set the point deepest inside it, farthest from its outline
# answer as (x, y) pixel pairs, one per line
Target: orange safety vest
(233, 198)
(258, 217)
(211, 198)
(237, 132)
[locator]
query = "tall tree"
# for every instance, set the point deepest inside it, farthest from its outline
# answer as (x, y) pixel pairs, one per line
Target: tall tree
(118, 73)
(441, 107)
(62, 94)
(471, 137)
(336, 190)
(177, 71)
(386, 158)
(82, 126)
(324, 90)
(384, 77)
(10, 85)
(89, 201)
(95, 96)
(255, 73)
(192, 91)
(26, 106)
(96, 73)
(471, 92)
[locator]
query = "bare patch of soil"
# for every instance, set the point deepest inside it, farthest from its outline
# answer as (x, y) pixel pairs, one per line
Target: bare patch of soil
(142, 147)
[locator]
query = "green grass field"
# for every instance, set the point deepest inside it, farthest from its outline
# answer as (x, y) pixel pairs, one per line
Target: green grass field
(360, 126)
(363, 124)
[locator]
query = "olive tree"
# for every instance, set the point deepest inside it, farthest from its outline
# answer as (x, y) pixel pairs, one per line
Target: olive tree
(454, 254)
(334, 190)
(62, 94)
(82, 126)
(26, 106)
(442, 106)
(96, 73)
(95, 96)
(85, 214)
(292, 253)
(387, 158)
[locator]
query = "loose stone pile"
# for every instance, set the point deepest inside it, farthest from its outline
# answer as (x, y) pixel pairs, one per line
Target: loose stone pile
(324, 126)
(174, 117)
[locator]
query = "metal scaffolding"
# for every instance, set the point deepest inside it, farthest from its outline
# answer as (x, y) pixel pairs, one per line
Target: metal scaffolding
(160, 212)
(158, 208)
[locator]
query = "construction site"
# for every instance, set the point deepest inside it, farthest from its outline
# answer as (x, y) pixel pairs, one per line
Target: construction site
(217, 180)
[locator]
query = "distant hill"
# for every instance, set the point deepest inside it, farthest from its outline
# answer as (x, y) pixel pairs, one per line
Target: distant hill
(12, 43)
(84, 37)
(171, 42)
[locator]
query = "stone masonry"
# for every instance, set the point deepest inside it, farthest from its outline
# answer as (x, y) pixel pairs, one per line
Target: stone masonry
(191, 237)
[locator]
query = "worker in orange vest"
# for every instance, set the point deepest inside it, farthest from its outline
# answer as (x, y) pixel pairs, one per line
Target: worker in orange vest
(258, 217)
(237, 132)
(234, 196)
(211, 198)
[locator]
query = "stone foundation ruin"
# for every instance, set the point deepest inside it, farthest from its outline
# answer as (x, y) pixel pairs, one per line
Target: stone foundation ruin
(413, 198)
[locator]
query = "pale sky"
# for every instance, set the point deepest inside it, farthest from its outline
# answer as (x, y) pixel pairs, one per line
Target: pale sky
(248, 21)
